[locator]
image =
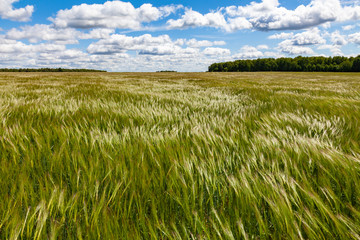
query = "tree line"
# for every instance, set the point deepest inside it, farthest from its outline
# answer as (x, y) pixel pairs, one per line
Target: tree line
(297, 64)
(47, 70)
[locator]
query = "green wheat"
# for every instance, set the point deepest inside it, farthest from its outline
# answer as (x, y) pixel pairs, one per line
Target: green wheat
(179, 156)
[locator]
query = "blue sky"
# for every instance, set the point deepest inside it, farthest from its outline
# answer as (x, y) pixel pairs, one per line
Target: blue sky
(172, 35)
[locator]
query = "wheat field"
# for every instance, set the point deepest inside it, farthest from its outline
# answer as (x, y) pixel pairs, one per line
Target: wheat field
(179, 156)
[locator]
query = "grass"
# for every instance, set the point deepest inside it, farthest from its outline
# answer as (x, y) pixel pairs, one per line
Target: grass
(179, 156)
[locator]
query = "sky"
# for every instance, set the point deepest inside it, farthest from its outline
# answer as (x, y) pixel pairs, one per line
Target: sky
(148, 36)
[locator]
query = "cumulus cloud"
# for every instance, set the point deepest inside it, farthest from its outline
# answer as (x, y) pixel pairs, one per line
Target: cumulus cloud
(217, 20)
(354, 38)
(18, 54)
(337, 42)
(145, 45)
(239, 23)
(45, 45)
(112, 53)
(7, 11)
(300, 43)
(288, 47)
(253, 9)
(271, 54)
(100, 33)
(111, 14)
(348, 27)
(42, 32)
(203, 43)
(162, 50)
(193, 18)
(270, 15)
(158, 50)
(17, 47)
(211, 51)
(263, 47)
(248, 52)
(11, 46)
(334, 49)
(338, 39)
(281, 35)
(310, 37)
(121, 43)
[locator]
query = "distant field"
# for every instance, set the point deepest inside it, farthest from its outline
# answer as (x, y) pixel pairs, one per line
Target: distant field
(179, 156)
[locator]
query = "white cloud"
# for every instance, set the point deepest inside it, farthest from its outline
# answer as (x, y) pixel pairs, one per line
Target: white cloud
(348, 27)
(288, 47)
(309, 37)
(158, 50)
(42, 32)
(270, 15)
(253, 9)
(338, 39)
(334, 49)
(203, 43)
(211, 51)
(121, 43)
(354, 38)
(248, 52)
(299, 43)
(270, 54)
(349, 13)
(20, 14)
(263, 47)
(68, 54)
(17, 54)
(100, 33)
(16, 47)
(154, 53)
(239, 23)
(326, 25)
(195, 19)
(296, 44)
(148, 45)
(111, 14)
(11, 46)
(281, 35)
(350, 2)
